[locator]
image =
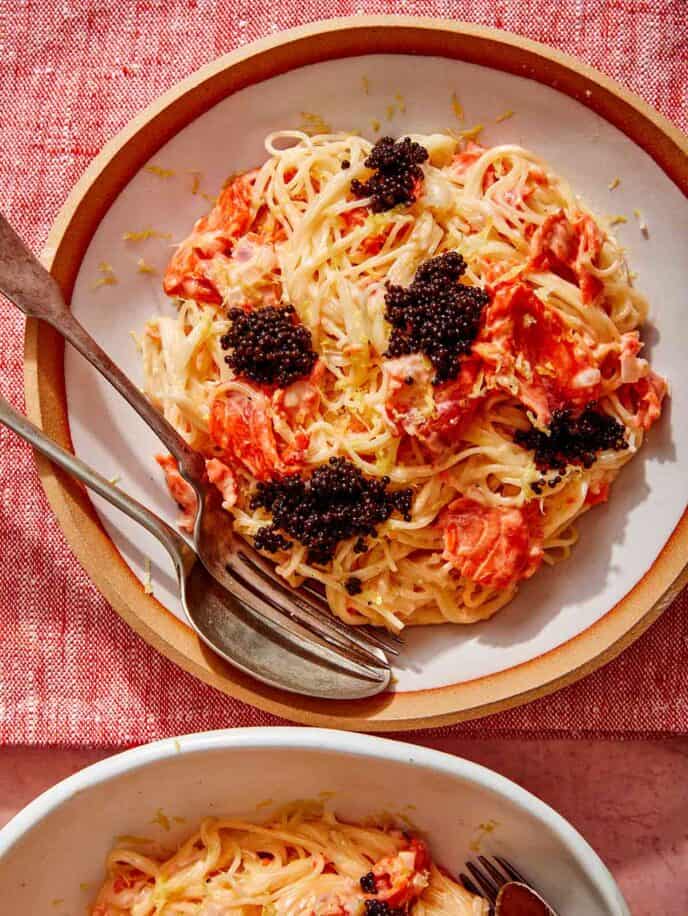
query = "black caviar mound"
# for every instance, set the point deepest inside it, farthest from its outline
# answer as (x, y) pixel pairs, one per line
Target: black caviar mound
(269, 345)
(382, 908)
(436, 315)
(573, 438)
(335, 503)
(397, 169)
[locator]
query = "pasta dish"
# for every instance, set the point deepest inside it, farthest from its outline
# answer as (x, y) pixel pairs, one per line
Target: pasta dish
(411, 367)
(302, 863)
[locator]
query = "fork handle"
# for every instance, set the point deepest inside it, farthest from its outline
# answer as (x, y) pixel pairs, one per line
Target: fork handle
(175, 545)
(25, 281)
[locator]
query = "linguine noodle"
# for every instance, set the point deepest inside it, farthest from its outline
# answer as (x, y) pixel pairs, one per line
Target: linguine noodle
(304, 862)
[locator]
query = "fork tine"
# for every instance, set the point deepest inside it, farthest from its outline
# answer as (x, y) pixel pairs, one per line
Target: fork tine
(314, 600)
(325, 622)
(352, 659)
(387, 641)
(513, 873)
(469, 885)
(489, 889)
(283, 601)
(494, 872)
(390, 642)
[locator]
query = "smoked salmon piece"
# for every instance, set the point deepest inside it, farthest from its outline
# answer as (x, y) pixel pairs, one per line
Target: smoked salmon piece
(569, 249)
(493, 546)
(214, 234)
(241, 427)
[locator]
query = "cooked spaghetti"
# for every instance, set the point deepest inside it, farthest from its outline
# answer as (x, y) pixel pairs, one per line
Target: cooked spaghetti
(302, 863)
(411, 367)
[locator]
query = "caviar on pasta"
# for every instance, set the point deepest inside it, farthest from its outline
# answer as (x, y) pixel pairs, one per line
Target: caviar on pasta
(302, 862)
(410, 366)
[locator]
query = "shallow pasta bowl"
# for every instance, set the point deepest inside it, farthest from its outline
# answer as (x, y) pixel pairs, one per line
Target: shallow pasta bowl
(376, 75)
(52, 853)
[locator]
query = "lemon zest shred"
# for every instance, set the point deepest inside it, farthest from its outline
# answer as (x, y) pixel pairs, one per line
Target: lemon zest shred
(457, 107)
(148, 580)
(143, 267)
(107, 277)
(159, 171)
(312, 123)
(472, 133)
(642, 225)
(504, 116)
(107, 280)
(195, 181)
(161, 818)
(145, 234)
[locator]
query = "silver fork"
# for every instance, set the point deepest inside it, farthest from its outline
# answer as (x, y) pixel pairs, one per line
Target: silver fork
(236, 565)
(279, 657)
(509, 893)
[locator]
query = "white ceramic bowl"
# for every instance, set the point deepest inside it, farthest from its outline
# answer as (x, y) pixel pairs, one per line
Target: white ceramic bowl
(56, 846)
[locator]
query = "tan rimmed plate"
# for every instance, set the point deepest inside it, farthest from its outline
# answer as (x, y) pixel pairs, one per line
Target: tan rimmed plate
(355, 73)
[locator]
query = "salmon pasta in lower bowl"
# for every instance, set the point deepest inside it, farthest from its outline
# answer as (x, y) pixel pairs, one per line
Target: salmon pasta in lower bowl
(303, 862)
(410, 366)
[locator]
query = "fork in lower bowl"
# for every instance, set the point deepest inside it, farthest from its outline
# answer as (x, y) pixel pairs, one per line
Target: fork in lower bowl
(508, 891)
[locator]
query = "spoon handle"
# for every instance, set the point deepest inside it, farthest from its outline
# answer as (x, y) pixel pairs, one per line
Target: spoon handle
(25, 281)
(175, 545)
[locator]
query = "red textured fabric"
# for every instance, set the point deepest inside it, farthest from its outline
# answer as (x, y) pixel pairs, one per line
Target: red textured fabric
(71, 75)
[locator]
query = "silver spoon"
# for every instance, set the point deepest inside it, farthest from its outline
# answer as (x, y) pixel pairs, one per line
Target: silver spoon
(233, 563)
(266, 649)
(516, 899)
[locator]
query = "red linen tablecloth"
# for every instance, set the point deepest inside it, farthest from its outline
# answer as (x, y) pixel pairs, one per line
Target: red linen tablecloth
(72, 73)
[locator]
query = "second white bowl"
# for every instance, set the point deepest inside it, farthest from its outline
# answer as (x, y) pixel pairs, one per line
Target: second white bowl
(52, 853)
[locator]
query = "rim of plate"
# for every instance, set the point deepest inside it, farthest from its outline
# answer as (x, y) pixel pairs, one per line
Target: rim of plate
(318, 739)
(45, 391)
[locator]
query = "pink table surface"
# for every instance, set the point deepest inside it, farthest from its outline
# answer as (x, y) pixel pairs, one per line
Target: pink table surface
(629, 799)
